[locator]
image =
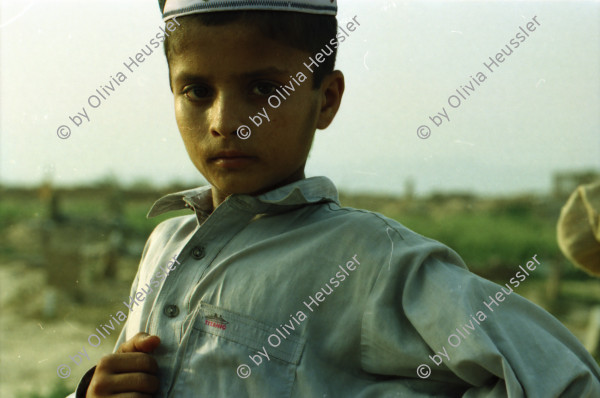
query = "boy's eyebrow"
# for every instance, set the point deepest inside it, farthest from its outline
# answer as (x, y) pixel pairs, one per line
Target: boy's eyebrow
(272, 70)
(186, 76)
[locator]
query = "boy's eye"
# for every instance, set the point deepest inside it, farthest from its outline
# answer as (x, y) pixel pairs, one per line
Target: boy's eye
(196, 93)
(264, 89)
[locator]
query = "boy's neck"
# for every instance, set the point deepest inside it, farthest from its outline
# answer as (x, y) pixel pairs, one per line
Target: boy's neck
(219, 197)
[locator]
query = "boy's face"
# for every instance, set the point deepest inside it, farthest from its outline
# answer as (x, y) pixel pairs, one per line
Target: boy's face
(221, 75)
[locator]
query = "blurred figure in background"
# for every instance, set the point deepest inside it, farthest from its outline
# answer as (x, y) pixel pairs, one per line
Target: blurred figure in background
(578, 234)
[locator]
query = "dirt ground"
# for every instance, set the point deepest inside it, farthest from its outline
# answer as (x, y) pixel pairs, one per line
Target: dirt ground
(34, 345)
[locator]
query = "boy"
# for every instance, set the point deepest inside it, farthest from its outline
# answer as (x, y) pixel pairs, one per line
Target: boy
(280, 292)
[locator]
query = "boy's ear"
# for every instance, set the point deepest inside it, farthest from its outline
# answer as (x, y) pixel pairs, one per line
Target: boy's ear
(331, 92)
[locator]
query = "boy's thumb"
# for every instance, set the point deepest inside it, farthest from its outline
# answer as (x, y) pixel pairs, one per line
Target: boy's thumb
(141, 342)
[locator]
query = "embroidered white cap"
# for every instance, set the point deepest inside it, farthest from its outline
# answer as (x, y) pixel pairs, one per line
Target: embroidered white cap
(177, 8)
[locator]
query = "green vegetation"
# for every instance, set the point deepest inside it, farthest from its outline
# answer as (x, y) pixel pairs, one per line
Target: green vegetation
(59, 390)
(487, 233)
(485, 238)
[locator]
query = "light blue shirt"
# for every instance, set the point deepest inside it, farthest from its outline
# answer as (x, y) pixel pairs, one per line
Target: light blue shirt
(287, 294)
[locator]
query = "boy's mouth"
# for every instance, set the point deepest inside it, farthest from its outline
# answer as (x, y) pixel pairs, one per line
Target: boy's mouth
(232, 159)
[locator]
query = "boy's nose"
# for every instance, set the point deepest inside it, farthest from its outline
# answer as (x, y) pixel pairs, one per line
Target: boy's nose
(226, 115)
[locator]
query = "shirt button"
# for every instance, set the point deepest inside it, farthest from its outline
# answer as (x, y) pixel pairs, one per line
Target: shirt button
(171, 311)
(198, 252)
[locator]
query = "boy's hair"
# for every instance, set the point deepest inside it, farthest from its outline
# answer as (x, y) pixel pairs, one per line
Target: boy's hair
(305, 32)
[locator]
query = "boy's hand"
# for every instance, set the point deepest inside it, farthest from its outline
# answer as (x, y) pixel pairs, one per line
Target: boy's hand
(128, 373)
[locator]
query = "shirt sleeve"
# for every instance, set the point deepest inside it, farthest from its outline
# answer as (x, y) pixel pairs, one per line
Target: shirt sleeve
(426, 308)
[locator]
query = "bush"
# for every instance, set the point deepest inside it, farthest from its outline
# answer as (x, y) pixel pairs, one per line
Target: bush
(59, 390)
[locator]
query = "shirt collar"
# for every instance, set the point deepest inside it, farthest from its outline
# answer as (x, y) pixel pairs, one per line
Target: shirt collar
(299, 193)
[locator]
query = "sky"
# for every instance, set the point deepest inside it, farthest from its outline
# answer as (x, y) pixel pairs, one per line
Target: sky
(535, 113)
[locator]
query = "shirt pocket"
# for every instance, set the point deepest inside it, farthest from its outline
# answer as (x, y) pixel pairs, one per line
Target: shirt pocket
(221, 357)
